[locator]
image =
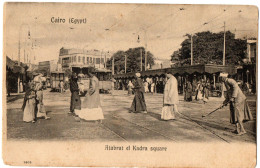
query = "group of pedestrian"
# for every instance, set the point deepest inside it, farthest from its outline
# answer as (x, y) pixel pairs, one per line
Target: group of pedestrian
(90, 107)
(170, 98)
(201, 89)
(239, 109)
(33, 106)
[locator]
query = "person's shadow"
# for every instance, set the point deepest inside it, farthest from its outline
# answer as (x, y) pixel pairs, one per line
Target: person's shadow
(155, 115)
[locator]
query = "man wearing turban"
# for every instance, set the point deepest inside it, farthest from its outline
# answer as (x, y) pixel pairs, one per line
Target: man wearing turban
(138, 104)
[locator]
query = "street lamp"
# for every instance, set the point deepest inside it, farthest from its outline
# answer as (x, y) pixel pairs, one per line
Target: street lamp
(19, 56)
(19, 42)
(138, 41)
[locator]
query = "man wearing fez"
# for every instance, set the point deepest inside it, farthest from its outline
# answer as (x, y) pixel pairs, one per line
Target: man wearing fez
(239, 110)
(75, 102)
(138, 104)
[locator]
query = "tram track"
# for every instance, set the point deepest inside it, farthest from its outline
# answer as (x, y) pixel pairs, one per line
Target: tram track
(113, 132)
(138, 125)
(195, 121)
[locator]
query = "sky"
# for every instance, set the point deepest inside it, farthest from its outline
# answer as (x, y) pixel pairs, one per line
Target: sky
(113, 27)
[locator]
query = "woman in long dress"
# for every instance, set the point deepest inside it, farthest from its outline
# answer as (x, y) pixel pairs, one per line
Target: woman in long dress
(91, 107)
(146, 90)
(29, 104)
(188, 91)
(206, 87)
(130, 86)
(199, 91)
(170, 98)
(41, 113)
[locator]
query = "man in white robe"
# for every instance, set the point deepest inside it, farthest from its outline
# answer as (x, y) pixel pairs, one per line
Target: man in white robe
(170, 98)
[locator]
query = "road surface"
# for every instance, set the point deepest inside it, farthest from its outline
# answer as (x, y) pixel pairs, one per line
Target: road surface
(119, 125)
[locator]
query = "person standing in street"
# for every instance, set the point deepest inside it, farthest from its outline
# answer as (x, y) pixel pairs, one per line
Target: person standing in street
(75, 102)
(91, 106)
(206, 87)
(199, 91)
(146, 90)
(170, 98)
(21, 86)
(130, 86)
(152, 87)
(40, 106)
(188, 91)
(61, 86)
(239, 110)
(138, 104)
(29, 104)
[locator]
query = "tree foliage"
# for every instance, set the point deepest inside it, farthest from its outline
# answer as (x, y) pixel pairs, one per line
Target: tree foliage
(208, 49)
(133, 56)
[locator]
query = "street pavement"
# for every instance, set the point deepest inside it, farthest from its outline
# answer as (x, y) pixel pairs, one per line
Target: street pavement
(120, 125)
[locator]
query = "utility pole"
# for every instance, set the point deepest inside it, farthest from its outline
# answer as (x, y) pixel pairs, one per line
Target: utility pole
(100, 59)
(224, 48)
(105, 60)
(113, 66)
(113, 72)
(141, 54)
(125, 63)
(191, 50)
(145, 57)
(19, 48)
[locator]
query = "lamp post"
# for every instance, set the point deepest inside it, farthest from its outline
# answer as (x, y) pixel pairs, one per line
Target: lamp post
(19, 52)
(113, 71)
(141, 54)
(125, 62)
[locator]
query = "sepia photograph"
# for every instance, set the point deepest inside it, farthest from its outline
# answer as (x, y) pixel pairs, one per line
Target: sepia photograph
(146, 85)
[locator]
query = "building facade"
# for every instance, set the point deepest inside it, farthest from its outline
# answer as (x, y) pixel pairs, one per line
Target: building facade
(69, 58)
(251, 50)
(46, 67)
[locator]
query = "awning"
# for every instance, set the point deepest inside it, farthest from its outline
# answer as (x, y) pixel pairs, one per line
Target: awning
(9, 63)
(191, 69)
(204, 68)
(14, 67)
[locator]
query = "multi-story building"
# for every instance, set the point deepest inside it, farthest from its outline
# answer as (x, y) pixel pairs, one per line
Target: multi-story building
(251, 50)
(47, 66)
(69, 58)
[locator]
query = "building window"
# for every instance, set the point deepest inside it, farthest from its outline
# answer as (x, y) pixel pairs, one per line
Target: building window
(79, 59)
(83, 60)
(87, 60)
(65, 60)
(97, 60)
(102, 60)
(90, 61)
(75, 59)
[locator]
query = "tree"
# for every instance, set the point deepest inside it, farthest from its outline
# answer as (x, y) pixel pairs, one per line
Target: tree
(208, 49)
(133, 60)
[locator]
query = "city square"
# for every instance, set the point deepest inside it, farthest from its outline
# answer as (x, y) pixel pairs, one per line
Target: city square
(120, 125)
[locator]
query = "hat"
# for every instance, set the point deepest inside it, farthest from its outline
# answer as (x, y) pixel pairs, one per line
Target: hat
(223, 74)
(138, 74)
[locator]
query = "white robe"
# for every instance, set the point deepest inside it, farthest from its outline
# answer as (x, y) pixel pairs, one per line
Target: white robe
(170, 95)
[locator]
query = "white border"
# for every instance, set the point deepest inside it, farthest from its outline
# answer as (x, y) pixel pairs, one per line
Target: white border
(230, 2)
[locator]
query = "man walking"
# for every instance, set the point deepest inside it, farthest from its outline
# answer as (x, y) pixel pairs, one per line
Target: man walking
(75, 102)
